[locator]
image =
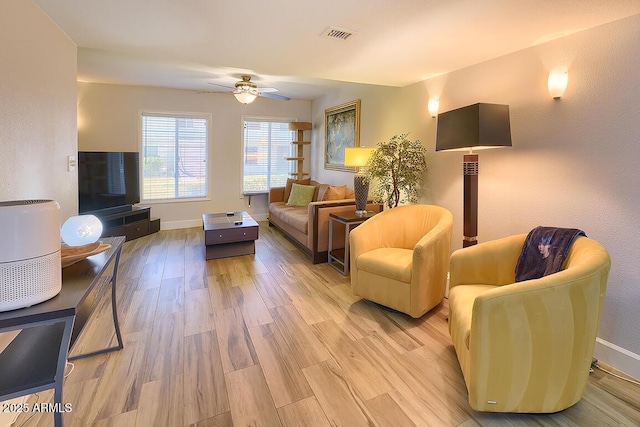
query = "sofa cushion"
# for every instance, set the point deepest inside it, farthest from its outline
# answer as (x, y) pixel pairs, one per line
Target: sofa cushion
(335, 193)
(393, 263)
(290, 181)
(301, 195)
(294, 216)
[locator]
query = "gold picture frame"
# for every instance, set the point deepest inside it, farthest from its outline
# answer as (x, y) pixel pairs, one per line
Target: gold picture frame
(341, 130)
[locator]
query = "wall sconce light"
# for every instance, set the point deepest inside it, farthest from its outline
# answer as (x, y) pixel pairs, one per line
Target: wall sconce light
(433, 106)
(557, 83)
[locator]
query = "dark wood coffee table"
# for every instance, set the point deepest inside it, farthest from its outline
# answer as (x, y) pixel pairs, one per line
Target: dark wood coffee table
(229, 234)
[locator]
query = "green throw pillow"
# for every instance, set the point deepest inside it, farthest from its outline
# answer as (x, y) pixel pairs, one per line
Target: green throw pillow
(301, 195)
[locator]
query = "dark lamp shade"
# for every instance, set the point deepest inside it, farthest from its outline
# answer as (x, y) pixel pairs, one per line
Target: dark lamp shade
(478, 125)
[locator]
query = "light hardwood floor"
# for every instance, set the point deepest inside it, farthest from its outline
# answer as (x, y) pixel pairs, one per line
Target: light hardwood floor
(272, 340)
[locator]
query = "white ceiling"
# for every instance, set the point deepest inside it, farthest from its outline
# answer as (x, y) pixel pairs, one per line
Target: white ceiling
(188, 44)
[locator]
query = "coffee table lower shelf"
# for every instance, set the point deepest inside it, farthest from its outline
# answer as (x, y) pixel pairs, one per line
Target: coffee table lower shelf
(230, 249)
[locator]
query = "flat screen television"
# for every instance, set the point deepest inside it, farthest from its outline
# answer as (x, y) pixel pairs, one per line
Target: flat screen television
(107, 180)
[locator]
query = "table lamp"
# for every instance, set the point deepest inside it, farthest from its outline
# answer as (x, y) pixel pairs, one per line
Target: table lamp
(81, 230)
(472, 127)
(358, 157)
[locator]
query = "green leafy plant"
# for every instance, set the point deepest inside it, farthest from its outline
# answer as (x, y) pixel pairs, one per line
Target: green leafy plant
(398, 166)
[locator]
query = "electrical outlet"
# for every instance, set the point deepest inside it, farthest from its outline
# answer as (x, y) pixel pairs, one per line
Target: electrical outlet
(71, 163)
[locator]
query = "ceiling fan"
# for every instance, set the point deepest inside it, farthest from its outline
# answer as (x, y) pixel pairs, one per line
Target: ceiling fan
(246, 91)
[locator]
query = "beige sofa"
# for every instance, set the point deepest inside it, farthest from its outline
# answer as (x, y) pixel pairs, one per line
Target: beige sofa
(308, 226)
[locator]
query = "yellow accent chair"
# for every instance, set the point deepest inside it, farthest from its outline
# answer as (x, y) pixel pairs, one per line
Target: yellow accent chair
(526, 346)
(400, 257)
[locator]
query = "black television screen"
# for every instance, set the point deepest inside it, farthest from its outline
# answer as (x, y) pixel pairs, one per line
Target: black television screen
(107, 180)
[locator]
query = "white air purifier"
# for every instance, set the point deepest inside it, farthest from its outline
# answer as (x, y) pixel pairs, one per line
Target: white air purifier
(30, 264)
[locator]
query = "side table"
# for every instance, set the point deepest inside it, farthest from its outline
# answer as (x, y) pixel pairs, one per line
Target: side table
(36, 358)
(339, 257)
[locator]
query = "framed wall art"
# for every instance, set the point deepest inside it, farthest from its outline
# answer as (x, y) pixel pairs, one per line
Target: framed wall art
(341, 130)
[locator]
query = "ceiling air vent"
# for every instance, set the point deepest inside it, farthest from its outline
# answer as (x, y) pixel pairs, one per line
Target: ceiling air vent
(337, 33)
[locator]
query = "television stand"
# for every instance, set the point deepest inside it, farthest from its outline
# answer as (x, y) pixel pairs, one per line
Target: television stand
(129, 221)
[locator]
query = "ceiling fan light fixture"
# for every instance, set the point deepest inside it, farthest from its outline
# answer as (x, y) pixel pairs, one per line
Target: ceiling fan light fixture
(245, 97)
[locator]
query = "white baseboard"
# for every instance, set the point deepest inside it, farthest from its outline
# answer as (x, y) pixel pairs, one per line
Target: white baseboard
(617, 357)
(174, 225)
(189, 223)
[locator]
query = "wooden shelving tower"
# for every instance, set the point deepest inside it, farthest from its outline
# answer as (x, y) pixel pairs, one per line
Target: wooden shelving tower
(300, 143)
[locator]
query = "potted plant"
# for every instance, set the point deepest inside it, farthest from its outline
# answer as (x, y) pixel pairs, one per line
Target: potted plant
(398, 166)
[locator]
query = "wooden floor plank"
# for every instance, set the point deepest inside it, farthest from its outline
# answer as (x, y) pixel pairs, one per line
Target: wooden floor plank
(222, 294)
(118, 389)
(198, 313)
(283, 375)
(171, 297)
(236, 349)
(222, 420)
(387, 413)
(303, 413)
(254, 310)
(161, 403)
(205, 392)
(356, 368)
(251, 403)
(165, 347)
(272, 294)
(151, 275)
(121, 420)
(142, 313)
(195, 274)
(300, 340)
(341, 405)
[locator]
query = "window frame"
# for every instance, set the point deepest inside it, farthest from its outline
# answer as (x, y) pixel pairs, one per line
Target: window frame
(256, 118)
(175, 114)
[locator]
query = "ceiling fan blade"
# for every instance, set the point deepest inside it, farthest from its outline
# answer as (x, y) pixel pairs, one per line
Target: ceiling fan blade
(226, 87)
(273, 96)
(267, 89)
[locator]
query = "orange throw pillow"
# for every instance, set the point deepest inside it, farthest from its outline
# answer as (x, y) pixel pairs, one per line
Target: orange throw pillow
(335, 193)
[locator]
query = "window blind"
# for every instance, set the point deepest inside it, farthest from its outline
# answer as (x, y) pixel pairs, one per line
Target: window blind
(267, 143)
(174, 156)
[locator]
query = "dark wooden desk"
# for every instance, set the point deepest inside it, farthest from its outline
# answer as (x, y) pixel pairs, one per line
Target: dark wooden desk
(35, 360)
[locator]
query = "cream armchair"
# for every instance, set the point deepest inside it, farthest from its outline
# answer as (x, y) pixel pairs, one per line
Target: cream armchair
(400, 257)
(526, 346)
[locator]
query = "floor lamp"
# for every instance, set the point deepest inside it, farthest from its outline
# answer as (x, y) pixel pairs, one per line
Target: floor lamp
(476, 126)
(358, 157)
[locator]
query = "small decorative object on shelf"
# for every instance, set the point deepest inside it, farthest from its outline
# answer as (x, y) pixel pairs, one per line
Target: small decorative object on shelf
(300, 142)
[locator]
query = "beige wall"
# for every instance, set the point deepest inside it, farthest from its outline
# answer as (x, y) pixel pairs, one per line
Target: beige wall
(573, 162)
(108, 119)
(37, 107)
(37, 113)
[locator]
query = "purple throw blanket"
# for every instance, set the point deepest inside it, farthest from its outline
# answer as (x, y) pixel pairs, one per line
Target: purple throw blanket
(544, 251)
